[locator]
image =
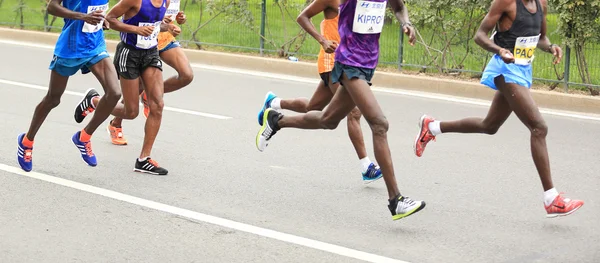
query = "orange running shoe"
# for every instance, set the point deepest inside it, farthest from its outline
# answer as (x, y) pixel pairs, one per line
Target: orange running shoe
(144, 101)
(424, 136)
(116, 135)
(562, 206)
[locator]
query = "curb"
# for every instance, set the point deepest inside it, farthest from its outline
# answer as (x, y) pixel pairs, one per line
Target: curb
(545, 99)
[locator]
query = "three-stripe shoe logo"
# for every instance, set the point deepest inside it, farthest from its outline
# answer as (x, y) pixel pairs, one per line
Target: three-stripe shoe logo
(148, 166)
(25, 154)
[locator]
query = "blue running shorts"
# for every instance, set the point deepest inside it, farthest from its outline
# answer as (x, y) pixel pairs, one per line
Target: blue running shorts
(69, 66)
(513, 73)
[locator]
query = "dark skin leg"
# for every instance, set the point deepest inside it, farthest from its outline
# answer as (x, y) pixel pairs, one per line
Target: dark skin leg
(153, 87)
(58, 84)
(353, 91)
(322, 96)
(107, 76)
(512, 97)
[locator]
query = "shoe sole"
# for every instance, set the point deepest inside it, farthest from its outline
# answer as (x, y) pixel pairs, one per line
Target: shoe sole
(412, 213)
(420, 125)
(372, 180)
(264, 108)
(565, 214)
(81, 101)
(262, 129)
(148, 172)
(80, 156)
(110, 136)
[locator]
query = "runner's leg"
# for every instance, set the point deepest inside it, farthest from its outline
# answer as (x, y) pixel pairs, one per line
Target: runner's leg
(175, 58)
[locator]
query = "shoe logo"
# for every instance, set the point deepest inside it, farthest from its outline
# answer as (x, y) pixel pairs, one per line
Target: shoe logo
(560, 206)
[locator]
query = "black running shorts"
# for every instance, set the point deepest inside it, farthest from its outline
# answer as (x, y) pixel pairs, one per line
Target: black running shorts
(131, 62)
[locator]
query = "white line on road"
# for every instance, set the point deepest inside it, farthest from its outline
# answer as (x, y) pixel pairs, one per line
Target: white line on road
(335, 249)
(197, 113)
(426, 95)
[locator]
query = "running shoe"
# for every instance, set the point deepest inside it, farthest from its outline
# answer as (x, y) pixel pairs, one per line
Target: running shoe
(403, 206)
(144, 101)
(85, 105)
(372, 174)
(266, 104)
(424, 136)
(562, 206)
(24, 154)
(85, 149)
(149, 166)
(268, 129)
(116, 135)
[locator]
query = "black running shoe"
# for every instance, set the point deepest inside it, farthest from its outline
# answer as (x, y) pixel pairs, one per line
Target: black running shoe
(149, 166)
(85, 105)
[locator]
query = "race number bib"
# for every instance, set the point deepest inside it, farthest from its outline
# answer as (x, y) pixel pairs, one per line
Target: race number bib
(369, 17)
(88, 28)
(149, 41)
(524, 49)
(173, 9)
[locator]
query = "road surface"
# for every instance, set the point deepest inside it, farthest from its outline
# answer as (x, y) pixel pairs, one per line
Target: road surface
(302, 200)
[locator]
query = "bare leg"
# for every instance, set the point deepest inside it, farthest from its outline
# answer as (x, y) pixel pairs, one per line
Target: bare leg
(58, 84)
(366, 102)
(525, 108)
(107, 76)
(153, 84)
(176, 59)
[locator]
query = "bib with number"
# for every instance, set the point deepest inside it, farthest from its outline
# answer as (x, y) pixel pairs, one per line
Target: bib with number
(149, 41)
(524, 49)
(89, 28)
(173, 9)
(369, 17)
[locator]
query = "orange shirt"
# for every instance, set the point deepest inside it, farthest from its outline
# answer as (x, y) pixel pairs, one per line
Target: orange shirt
(329, 30)
(164, 38)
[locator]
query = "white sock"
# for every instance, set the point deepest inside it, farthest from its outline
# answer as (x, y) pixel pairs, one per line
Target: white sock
(365, 163)
(434, 127)
(143, 159)
(549, 196)
(276, 103)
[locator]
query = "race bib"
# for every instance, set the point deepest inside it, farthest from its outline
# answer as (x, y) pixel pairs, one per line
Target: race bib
(88, 28)
(173, 9)
(369, 17)
(524, 49)
(149, 41)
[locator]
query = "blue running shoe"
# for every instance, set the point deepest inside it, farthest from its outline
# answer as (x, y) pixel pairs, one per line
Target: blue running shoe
(372, 174)
(85, 149)
(24, 154)
(266, 104)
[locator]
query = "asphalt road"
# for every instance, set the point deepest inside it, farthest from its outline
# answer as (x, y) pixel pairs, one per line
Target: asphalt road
(484, 198)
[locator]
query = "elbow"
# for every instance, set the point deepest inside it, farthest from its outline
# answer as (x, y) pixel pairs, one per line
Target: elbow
(299, 19)
(51, 9)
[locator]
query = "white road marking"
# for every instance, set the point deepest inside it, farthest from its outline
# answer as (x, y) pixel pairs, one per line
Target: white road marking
(575, 115)
(197, 113)
(288, 238)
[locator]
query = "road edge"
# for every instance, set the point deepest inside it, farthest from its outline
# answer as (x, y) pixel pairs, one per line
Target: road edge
(545, 99)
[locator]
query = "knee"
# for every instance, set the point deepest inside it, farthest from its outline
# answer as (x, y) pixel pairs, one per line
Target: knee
(355, 114)
(113, 95)
(539, 129)
(379, 125)
(131, 114)
(156, 105)
(186, 77)
(491, 129)
(51, 101)
(329, 123)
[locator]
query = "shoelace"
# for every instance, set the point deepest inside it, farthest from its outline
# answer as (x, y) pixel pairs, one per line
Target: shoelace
(27, 155)
(153, 162)
(88, 149)
(268, 132)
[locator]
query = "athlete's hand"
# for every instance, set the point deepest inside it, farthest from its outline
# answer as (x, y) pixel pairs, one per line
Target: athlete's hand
(507, 56)
(557, 53)
(94, 18)
(167, 20)
(105, 25)
(329, 46)
(174, 29)
(180, 18)
(409, 30)
(145, 31)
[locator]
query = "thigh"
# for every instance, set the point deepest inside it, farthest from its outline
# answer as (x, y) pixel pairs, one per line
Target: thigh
(175, 58)
(106, 74)
(340, 106)
(500, 109)
(521, 102)
(322, 95)
(358, 86)
(153, 84)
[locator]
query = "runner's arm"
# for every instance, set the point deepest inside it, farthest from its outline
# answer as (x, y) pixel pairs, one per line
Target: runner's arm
(311, 10)
(544, 43)
(119, 10)
(489, 21)
(164, 26)
(55, 8)
(401, 13)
